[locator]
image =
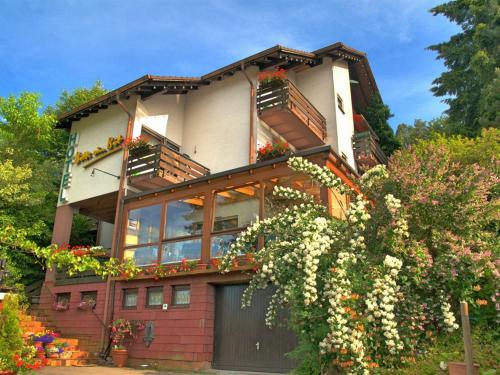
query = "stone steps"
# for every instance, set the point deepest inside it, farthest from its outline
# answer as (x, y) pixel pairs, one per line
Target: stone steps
(71, 356)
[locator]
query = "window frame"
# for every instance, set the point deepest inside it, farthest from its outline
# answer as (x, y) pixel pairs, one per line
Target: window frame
(149, 289)
(340, 103)
(175, 289)
(124, 294)
(62, 295)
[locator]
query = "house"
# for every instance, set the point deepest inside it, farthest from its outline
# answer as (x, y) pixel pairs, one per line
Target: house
(194, 188)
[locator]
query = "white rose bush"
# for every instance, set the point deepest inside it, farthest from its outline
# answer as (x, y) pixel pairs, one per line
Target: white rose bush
(355, 308)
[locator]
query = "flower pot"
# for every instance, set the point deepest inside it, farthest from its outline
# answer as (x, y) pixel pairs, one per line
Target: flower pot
(140, 151)
(7, 372)
(460, 368)
(201, 266)
(119, 356)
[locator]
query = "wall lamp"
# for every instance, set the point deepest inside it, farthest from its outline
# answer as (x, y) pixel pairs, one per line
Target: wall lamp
(92, 174)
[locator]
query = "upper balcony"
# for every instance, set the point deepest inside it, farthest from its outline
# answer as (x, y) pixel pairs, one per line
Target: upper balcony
(282, 106)
(365, 144)
(162, 166)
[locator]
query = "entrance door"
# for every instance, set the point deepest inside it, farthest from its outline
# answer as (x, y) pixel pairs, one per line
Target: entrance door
(242, 340)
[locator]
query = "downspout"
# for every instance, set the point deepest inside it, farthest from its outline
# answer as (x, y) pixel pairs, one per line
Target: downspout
(251, 148)
(115, 243)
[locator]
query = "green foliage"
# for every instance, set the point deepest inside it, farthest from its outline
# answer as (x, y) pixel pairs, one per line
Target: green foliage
(71, 100)
(450, 348)
(471, 84)
(11, 335)
(377, 114)
(408, 135)
(31, 155)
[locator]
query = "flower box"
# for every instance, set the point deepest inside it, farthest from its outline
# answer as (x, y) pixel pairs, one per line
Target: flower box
(86, 305)
(460, 368)
(61, 307)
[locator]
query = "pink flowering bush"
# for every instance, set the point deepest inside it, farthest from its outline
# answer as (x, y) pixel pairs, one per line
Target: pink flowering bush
(373, 291)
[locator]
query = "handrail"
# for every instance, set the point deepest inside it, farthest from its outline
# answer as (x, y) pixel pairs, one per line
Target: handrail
(365, 143)
(284, 94)
(165, 162)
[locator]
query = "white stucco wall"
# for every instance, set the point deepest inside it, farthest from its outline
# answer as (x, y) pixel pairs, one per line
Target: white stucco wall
(171, 108)
(94, 132)
(317, 86)
(345, 122)
(216, 123)
(320, 86)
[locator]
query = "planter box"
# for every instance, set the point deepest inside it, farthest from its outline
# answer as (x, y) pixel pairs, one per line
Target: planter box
(459, 368)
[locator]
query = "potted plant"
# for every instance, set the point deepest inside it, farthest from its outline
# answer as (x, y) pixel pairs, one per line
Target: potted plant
(273, 151)
(61, 305)
(272, 77)
(137, 146)
(121, 331)
(86, 304)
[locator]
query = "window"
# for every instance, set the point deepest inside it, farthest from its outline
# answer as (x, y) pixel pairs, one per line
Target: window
(181, 295)
(235, 209)
(130, 298)
(183, 227)
(142, 256)
(344, 156)
(89, 297)
(340, 103)
(143, 228)
(62, 299)
(154, 297)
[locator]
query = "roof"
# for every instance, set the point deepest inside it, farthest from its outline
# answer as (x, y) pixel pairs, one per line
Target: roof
(286, 58)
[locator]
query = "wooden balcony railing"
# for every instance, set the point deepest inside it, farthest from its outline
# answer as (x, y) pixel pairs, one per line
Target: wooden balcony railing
(367, 151)
(162, 166)
(286, 110)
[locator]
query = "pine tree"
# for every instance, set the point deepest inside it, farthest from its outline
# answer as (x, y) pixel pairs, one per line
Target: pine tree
(470, 86)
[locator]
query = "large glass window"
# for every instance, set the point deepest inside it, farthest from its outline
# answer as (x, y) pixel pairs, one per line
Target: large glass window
(184, 218)
(142, 256)
(143, 226)
(176, 251)
(235, 209)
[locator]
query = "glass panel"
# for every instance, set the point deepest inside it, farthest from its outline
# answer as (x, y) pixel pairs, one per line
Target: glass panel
(181, 296)
(339, 203)
(142, 256)
(155, 296)
(63, 298)
(220, 244)
(301, 182)
(177, 251)
(143, 225)
(184, 217)
(236, 208)
(129, 298)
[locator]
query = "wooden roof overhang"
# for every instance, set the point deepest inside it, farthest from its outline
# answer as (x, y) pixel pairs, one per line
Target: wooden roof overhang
(274, 57)
(237, 175)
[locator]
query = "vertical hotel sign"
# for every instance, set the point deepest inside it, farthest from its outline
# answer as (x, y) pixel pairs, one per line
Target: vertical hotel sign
(68, 165)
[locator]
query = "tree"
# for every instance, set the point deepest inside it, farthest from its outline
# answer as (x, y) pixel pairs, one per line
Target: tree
(377, 114)
(420, 130)
(471, 84)
(71, 100)
(31, 155)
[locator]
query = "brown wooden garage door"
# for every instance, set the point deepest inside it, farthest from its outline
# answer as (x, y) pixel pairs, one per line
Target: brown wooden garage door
(242, 340)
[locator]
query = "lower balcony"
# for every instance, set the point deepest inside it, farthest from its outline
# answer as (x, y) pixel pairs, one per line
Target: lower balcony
(287, 111)
(365, 144)
(162, 166)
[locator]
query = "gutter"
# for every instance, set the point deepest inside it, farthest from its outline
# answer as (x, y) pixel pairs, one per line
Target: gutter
(110, 284)
(251, 148)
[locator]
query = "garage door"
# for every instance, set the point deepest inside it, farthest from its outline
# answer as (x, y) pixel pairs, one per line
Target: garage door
(242, 340)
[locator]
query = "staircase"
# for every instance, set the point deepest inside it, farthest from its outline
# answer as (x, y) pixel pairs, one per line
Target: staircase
(72, 355)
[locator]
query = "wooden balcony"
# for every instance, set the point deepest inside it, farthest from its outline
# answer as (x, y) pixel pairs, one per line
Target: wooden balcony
(160, 167)
(365, 144)
(282, 106)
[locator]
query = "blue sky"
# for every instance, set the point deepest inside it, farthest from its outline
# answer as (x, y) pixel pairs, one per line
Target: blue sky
(50, 45)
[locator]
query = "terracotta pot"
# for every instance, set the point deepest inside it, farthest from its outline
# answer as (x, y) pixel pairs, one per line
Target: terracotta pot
(201, 266)
(119, 356)
(7, 372)
(459, 368)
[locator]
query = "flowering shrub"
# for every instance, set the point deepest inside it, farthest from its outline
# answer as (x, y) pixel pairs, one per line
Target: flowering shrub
(273, 150)
(269, 76)
(366, 292)
(123, 329)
